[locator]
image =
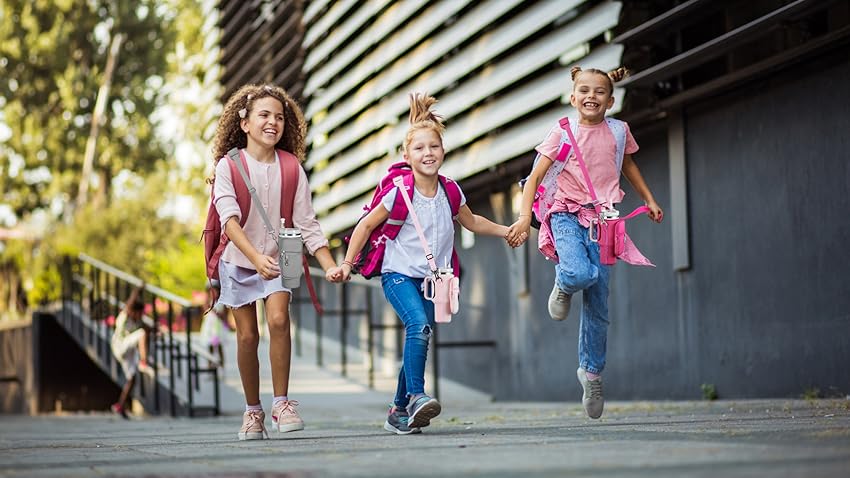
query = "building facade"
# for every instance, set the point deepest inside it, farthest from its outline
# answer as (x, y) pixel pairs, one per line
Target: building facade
(739, 111)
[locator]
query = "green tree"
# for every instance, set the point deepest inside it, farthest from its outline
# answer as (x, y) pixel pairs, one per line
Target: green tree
(164, 93)
(54, 53)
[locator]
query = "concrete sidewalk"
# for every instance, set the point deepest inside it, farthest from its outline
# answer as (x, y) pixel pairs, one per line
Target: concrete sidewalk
(473, 437)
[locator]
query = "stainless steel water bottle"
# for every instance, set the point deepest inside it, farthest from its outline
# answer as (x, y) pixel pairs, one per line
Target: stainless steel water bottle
(290, 248)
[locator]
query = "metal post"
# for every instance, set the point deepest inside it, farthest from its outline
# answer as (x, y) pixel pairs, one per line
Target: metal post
(343, 329)
(370, 344)
(436, 370)
(171, 357)
(189, 365)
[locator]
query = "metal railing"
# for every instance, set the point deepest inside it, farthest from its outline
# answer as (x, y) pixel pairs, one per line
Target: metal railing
(93, 290)
(345, 311)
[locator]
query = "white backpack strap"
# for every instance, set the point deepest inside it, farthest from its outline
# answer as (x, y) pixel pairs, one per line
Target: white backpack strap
(618, 129)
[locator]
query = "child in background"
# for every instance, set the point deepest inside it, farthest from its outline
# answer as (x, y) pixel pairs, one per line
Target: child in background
(129, 345)
(266, 124)
(579, 268)
(405, 266)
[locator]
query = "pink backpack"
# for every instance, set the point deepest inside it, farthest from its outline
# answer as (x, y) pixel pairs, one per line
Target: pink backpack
(370, 259)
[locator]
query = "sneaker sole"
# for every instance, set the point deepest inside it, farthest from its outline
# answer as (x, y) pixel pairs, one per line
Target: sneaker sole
(388, 427)
(292, 427)
(423, 416)
(250, 436)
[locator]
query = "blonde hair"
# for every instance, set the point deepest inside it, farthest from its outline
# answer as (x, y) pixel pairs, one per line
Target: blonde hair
(421, 117)
(229, 132)
(612, 76)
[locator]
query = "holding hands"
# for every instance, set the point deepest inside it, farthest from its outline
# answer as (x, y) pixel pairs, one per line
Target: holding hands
(518, 232)
(341, 273)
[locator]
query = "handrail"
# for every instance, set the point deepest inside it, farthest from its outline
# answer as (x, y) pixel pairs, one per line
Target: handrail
(131, 279)
(345, 311)
(91, 290)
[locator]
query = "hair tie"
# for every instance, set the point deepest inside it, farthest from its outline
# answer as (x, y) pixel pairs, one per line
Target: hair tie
(243, 113)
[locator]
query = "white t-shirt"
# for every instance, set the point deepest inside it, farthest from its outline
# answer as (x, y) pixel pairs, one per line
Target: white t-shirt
(405, 254)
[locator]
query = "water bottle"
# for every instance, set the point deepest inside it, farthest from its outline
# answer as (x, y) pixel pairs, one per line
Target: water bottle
(290, 249)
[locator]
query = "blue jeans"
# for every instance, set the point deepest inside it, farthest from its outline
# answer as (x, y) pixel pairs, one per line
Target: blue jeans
(417, 313)
(579, 269)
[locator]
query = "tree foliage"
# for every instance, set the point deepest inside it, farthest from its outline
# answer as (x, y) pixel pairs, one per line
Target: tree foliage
(54, 53)
(162, 103)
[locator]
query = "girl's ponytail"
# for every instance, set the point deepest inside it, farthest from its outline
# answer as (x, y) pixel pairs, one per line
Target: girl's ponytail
(420, 110)
(422, 117)
(618, 74)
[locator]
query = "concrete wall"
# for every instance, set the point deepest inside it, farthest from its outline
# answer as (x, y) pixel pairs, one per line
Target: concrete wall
(763, 310)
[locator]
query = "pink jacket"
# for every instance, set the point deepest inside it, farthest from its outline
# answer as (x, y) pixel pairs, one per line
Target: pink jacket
(546, 241)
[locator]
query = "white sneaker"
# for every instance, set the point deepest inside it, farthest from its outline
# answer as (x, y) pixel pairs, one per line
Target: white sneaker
(559, 303)
(592, 398)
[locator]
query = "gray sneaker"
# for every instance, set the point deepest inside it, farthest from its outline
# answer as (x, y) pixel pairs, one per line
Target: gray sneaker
(422, 410)
(397, 419)
(559, 303)
(592, 398)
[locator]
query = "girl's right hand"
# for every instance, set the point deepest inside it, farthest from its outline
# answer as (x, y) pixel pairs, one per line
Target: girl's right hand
(518, 232)
(267, 267)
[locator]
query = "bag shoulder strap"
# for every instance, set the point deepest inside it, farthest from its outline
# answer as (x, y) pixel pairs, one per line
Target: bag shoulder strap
(429, 256)
(243, 167)
(289, 175)
(241, 182)
(452, 189)
(580, 158)
(618, 129)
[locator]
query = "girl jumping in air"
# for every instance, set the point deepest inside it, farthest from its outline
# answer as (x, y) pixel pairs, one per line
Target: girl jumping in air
(405, 266)
(268, 127)
(607, 146)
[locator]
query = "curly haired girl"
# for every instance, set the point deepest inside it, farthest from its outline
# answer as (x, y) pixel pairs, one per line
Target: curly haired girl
(268, 128)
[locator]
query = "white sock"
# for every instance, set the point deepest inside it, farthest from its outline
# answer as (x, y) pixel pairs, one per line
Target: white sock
(279, 398)
(255, 408)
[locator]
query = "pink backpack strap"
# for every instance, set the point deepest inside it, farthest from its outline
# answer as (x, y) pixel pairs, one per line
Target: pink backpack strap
(243, 196)
(288, 184)
(452, 190)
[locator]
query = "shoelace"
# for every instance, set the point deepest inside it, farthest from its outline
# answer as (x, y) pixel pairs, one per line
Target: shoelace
(562, 296)
(595, 389)
(254, 418)
(289, 406)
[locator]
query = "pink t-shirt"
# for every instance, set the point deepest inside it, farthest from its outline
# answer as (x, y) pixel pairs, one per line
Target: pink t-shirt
(599, 149)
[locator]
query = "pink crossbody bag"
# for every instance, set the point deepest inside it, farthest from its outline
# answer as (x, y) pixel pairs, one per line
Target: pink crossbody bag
(443, 287)
(607, 229)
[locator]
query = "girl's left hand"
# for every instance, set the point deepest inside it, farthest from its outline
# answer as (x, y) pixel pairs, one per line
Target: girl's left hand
(655, 212)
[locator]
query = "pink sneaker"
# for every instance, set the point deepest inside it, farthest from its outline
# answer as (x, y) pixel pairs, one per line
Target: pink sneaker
(285, 418)
(253, 426)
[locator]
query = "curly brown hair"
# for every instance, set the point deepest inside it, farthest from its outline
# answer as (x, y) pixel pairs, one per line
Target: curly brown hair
(612, 76)
(229, 134)
(422, 117)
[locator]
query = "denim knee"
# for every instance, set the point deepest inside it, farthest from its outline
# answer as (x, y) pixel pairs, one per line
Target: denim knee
(577, 276)
(418, 330)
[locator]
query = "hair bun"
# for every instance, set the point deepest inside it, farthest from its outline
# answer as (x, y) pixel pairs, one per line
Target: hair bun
(618, 74)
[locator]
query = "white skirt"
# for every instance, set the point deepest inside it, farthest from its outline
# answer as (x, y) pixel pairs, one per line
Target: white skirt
(241, 286)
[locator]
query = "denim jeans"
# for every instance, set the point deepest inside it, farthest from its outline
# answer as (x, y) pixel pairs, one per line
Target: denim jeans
(579, 269)
(417, 314)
